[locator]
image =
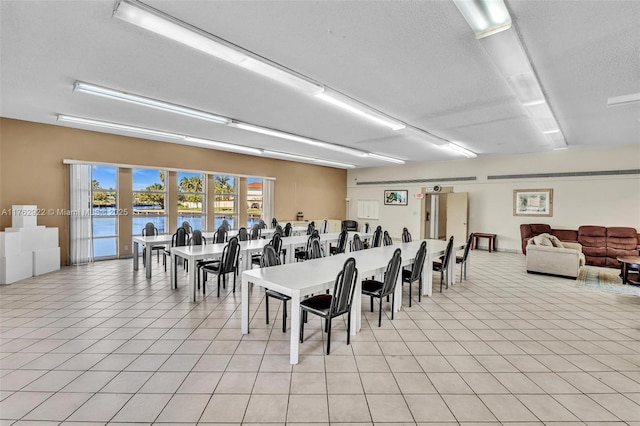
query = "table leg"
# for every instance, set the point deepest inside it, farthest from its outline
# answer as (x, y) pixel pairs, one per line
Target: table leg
(295, 327)
(356, 309)
(451, 267)
(192, 280)
(173, 259)
(625, 273)
(136, 257)
(427, 276)
(148, 260)
(244, 307)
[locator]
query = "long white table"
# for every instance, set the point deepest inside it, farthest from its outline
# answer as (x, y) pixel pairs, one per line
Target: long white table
(247, 248)
(300, 279)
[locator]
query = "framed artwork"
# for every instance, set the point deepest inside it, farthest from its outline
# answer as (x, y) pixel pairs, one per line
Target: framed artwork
(533, 202)
(396, 197)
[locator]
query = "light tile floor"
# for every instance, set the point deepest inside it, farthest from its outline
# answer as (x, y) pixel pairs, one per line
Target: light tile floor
(100, 344)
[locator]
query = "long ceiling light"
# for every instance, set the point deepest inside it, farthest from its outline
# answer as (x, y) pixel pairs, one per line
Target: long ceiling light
(117, 126)
(149, 18)
(491, 18)
(485, 17)
(307, 159)
(623, 100)
(459, 150)
(92, 89)
(360, 109)
(223, 145)
(385, 158)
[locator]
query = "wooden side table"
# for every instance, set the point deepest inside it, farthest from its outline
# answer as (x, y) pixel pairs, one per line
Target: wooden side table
(630, 270)
(490, 237)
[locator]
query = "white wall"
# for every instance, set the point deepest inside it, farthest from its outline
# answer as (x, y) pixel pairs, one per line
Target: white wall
(600, 200)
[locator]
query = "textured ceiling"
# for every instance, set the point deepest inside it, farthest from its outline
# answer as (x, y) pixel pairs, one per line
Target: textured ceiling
(417, 61)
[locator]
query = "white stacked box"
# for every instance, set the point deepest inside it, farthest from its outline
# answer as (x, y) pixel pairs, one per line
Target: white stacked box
(27, 249)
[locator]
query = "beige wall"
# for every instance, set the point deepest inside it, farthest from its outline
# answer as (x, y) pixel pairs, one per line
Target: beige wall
(598, 200)
(31, 171)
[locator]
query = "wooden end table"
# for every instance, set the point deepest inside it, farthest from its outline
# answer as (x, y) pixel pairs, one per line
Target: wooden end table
(630, 270)
(490, 237)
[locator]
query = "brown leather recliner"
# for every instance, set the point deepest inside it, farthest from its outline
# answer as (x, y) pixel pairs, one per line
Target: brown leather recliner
(621, 242)
(594, 244)
(530, 230)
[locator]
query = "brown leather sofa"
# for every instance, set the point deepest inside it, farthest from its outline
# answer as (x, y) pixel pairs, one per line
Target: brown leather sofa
(600, 245)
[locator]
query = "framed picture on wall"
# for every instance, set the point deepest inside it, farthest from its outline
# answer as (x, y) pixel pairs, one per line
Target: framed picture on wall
(394, 197)
(533, 202)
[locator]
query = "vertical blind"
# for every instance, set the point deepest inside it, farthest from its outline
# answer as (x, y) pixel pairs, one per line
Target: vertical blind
(80, 230)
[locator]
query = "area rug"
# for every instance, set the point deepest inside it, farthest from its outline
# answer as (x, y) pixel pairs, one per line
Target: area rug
(605, 279)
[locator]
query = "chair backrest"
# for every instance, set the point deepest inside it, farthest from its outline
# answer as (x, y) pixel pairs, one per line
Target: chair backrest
(467, 247)
(350, 225)
(179, 238)
(447, 253)
(387, 239)
(255, 232)
(357, 244)
(274, 222)
(366, 227)
(276, 242)
(220, 235)
(315, 251)
(377, 237)
(288, 229)
(225, 224)
(269, 257)
(418, 262)
(310, 228)
(324, 226)
(187, 227)
(344, 287)
(149, 230)
(391, 275)
(342, 242)
(279, 230)
(262, 224)
(243, 235)
(197, 239)
(406, 236)
(230, 255)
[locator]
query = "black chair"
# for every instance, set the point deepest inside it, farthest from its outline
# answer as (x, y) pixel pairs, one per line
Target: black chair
(225, 224)
(329, 306)
(310, 228)
(220, 236)
(288, 229)
(187, 227)
(385, 288)
(276, 243)
(228, 264)
(262, 224)
(315, 251)
(256, 232)
(377, 237)
(243, 235)
(179, 239)
(386, 239)
(274, 222)
(279, 230)
(270, 258)
(442, 265)
(462, 260)
(197, 239)
(304, 254)
(415, 273)
(367, 228)
(324, 226)
(406, 236)
(342, 244)
(150, 230)
(356, 243)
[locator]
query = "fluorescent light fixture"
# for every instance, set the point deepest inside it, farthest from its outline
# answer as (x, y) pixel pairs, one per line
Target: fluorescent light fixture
(562, 148)
(116, 126)
(385, 158)
(147, 102)
(623, 100)
(360, 109)
(296, 138)
(223, 145)
(548, 132)
(485, 17)
(305, 159)
(277, 73)
(459, 150)
(143, 16)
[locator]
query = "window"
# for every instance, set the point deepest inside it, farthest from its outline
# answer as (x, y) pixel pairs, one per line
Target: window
(225, 203)
(254, 201)
(191, 190)
(149, 195)
(104, 219)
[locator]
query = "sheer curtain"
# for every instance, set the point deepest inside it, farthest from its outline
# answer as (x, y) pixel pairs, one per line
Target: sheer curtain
(267, 200)
(80, 231)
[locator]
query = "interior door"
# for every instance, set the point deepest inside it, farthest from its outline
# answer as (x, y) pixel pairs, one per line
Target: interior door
(457, 211)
